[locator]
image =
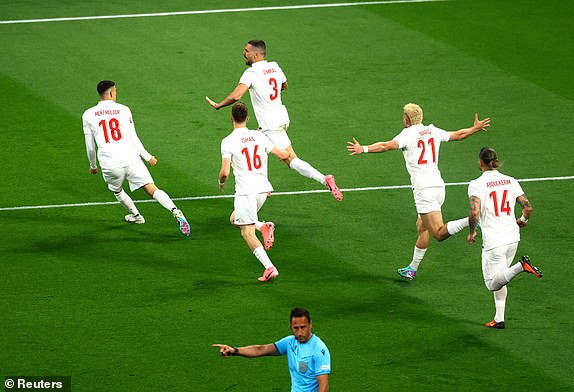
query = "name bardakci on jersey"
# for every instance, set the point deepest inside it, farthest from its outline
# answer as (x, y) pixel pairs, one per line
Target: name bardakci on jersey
(497, 183)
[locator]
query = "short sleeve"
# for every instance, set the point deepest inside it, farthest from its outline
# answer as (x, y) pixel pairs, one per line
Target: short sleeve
(247, 77)
(473, 189)
(225, 148)
(322, 360)
(283, 344)
(517, 189)
(444, 135)
(401, 138)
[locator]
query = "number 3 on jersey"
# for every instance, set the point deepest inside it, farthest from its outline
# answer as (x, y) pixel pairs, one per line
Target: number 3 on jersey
(114, 128)
(504, 204)
(273, 84)
(253, 161)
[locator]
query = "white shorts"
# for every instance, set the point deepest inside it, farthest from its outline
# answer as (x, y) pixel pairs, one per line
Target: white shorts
(496, 259)
(246, 208)
(278, 136)
(429, 199)
(137, 175)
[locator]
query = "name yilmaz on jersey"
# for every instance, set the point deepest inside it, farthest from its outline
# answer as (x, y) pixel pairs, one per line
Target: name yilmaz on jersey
(497, 183)
(107, 112)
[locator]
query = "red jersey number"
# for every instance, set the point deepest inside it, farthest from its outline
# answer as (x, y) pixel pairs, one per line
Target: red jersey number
(114, 129)
(252, 161)
(273, 84)
(504, 204)
(421, 145)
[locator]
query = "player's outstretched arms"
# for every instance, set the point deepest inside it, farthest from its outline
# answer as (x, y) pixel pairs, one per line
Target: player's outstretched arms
(355, 147)
(479, 125)
(235, 96)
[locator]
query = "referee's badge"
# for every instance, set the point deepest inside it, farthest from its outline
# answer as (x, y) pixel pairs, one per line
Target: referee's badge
(303, 366)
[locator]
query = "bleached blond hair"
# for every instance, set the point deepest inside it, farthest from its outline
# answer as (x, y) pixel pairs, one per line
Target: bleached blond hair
(414, 113)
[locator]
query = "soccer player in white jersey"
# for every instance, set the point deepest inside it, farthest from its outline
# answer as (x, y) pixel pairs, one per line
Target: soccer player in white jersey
(492, 199)
(420, 145)
(119, 150)
(246, 150)
(265, 81)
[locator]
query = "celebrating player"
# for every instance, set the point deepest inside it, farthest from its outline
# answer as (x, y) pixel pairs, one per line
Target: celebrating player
(309, 358)
(119, 149)
(420, 145)
(247, 151)
(492, 199)
(265, 82)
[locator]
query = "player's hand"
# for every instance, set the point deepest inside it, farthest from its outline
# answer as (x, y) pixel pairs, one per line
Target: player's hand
(224, 350)
(481, 124)
(152, 161)
(94, 171)
(221, 187)
(211, 102)
(521, 223)
(471, 238)
(354, 147)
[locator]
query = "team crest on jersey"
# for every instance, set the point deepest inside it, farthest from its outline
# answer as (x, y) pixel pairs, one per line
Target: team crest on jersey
(303, 366)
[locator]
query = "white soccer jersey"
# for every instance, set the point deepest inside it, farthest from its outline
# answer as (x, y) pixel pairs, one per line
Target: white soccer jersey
(420, 144)
(497, 193)
(110, 124)
(264, 80)
(248, 151)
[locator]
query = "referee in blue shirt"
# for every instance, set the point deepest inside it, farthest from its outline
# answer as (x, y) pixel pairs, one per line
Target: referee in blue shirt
(309, 358)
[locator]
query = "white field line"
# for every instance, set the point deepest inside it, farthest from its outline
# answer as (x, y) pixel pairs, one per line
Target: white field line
(364, 189)
(229, 10)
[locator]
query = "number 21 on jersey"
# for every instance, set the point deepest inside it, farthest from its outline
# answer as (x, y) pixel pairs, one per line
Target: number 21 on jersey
(114, 129)
(422, 146)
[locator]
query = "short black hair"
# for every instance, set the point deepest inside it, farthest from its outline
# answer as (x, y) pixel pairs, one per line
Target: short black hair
(300, 312)
(104, 86)
(239, 112)
(488, 156)
(259, 45)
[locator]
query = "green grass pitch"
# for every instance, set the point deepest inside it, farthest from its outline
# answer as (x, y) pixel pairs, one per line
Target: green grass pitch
(136, 308)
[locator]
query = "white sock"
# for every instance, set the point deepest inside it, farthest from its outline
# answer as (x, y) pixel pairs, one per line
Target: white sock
(500, 303)
(258, 225)
(127, 202)
(262, 257)
(456, 226)
(307, 170)
(163, 199)
(418, 255)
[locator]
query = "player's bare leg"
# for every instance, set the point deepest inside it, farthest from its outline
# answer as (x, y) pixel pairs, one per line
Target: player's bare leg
(423, 239)
(163, 198)
(248, 234)
(305, 169)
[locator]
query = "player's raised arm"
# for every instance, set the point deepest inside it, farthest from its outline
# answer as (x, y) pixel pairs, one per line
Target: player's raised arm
(356, 148)
(479, 125)
(233, 97)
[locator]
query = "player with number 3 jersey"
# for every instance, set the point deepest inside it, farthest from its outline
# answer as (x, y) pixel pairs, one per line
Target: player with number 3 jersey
(119, 148)
(420, 145)
(265, 81)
